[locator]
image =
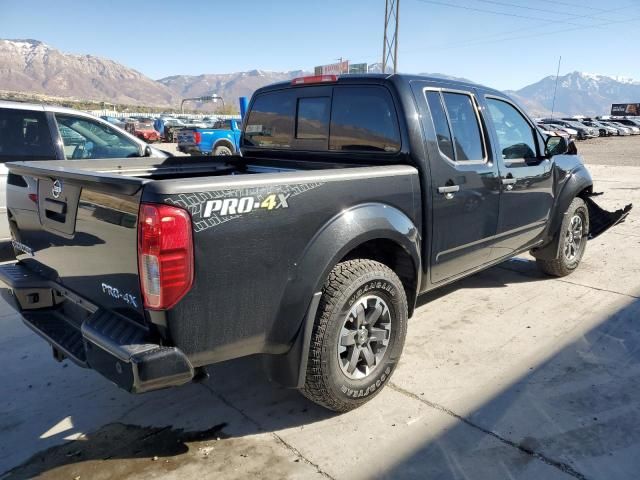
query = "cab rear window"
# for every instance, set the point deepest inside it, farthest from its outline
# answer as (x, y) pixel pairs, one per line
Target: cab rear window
(347, 119)
(24, 135)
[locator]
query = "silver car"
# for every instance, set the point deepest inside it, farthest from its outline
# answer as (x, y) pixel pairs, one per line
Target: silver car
(43, 132)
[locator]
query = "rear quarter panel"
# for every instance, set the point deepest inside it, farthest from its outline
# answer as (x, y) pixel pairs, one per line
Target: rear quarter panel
(258, 266)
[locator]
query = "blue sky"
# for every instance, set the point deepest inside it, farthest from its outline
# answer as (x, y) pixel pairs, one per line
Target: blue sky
(516, 44)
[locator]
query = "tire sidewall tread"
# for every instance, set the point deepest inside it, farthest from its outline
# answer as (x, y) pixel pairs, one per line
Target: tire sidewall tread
(325, 382)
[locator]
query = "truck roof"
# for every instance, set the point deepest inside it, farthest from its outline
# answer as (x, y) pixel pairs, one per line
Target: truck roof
(381, 78)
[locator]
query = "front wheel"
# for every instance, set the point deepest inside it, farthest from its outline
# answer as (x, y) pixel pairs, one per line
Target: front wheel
(573, 241)
(358, 335)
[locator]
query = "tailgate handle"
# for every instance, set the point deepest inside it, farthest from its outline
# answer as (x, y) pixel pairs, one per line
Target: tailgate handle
(55, 206)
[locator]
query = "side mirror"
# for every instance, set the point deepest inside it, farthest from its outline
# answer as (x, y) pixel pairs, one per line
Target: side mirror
(555, 146)
(148, 152)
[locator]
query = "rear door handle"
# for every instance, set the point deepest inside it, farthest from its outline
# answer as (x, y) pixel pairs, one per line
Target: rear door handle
(509, 181)
(449, 189)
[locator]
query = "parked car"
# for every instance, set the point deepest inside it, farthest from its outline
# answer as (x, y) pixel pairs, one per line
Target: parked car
(197, 123)
(222, 139)
(620, 129)
(144, 130)
(553, 130)
(573, 134)
(352, 196)
(167, 127)
(605, 130)
(628, 130)
(583, 131)
(42, 132)
(631, 124)
(118, 122)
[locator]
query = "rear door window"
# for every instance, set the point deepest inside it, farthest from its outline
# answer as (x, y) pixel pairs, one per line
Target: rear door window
(363, 118)
(441, 124)
(465, 128)
(25, 135)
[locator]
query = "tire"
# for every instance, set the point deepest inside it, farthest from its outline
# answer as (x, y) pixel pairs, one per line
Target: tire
(222, 150)
(364, 306)
(576, 219)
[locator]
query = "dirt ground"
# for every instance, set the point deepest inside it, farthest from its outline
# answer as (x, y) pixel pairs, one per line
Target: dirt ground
(616, 151)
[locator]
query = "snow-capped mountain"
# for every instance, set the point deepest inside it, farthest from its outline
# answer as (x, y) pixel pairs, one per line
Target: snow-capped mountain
(30, 66)
(34, 67)
(578, 93)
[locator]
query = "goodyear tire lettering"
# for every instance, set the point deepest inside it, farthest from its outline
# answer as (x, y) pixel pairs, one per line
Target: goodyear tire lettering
(349, 392)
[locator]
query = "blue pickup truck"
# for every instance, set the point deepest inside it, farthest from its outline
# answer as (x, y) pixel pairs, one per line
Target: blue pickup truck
(222, 139)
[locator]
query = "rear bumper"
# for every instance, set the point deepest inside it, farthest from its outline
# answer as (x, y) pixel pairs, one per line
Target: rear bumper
(190, 149)
(92, 337)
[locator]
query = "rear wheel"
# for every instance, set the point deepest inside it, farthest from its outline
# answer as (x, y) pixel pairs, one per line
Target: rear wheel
(222, 150)
(573, 241)
(358, 335)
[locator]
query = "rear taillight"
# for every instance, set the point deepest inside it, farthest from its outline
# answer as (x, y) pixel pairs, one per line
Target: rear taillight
(165, 255)
(197, 136)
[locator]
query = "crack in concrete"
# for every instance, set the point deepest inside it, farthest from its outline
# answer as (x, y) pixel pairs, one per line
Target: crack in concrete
(563, 467)
(277, 437)
(525, 274)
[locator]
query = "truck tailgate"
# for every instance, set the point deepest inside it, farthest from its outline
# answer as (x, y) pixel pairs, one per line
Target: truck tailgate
(186, 137)
(83, 234)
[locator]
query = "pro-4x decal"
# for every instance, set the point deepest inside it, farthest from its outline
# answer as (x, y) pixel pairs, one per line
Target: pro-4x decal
(210, 209)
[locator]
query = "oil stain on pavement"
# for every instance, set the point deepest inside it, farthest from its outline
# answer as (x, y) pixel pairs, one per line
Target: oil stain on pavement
(127, 451)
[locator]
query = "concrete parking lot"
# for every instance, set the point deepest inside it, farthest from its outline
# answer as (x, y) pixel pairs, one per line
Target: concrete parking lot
(507, 374)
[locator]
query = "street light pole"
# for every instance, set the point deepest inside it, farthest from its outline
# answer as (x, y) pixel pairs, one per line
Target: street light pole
(216, 97)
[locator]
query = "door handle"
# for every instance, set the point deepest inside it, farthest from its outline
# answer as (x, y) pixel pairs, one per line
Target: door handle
(449, 189)
(509, 181)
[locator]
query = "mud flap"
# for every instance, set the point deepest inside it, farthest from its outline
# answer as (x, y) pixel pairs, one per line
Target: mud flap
(601, 220)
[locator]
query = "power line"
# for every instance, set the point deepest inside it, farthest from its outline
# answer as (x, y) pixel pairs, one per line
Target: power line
(505, 35)
(546, 10)
(575, 5)
(541, 34)
(505, 14)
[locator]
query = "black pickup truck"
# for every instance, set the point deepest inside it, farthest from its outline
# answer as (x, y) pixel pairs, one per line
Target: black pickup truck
(352, 196)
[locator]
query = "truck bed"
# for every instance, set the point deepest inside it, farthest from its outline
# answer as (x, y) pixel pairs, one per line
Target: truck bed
(148, 168)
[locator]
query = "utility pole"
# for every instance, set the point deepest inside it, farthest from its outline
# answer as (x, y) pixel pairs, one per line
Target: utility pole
(390, 43)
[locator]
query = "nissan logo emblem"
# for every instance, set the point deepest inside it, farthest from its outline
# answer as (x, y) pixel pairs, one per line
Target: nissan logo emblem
(56, 190)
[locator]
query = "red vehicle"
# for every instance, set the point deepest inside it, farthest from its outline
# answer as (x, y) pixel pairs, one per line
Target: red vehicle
(144, 131)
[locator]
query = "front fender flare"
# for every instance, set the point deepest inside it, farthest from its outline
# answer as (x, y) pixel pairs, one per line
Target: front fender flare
(574, 183)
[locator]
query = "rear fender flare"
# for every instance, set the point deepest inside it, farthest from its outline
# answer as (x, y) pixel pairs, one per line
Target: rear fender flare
(225, 142)
(339, 236)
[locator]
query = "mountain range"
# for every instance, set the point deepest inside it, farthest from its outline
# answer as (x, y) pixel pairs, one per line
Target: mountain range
(35, 67)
